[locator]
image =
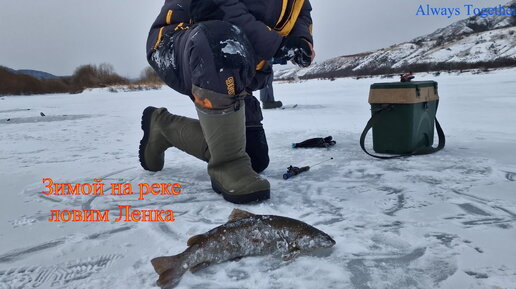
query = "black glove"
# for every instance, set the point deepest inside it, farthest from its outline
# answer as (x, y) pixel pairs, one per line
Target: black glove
(317, 142)
(296, 49)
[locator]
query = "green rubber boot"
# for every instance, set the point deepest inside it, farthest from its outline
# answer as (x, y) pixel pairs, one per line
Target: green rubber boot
(229, 166)
(162, 130)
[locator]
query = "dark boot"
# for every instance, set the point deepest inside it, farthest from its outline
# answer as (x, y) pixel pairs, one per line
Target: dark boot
(162, 130)
(272, 104)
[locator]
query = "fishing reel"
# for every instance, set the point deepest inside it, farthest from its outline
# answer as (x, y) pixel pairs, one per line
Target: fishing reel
(294, 171)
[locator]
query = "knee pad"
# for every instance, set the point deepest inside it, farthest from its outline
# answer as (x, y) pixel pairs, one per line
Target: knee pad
(221, 58)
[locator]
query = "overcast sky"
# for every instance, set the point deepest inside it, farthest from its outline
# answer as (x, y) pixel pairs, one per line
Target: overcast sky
(57, 36)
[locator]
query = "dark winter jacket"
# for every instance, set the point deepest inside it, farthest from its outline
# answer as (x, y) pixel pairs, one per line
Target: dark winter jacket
(265, 22)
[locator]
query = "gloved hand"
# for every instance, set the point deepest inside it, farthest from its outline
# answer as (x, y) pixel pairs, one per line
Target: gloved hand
(296, 49)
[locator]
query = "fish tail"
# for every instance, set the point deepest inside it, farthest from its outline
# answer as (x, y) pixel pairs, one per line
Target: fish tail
(162, 264)
(170, 270)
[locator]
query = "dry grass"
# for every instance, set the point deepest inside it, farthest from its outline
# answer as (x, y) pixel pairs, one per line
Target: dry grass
(86, 76)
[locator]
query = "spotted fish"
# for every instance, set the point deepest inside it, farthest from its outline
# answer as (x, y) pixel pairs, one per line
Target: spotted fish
(245, 234)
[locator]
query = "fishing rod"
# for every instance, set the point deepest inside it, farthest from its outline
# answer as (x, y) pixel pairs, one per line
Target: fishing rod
(294, 171)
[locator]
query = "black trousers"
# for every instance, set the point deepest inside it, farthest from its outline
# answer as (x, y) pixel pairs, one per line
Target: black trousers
(206, 55)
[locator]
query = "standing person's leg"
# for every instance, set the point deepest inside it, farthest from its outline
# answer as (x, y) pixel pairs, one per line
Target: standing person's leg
(267, 95)
(213, 62)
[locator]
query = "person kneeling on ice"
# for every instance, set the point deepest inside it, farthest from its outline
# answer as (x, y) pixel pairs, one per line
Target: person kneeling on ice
(217, 52)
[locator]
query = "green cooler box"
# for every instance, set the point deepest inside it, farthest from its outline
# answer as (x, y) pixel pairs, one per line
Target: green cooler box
(403, 115)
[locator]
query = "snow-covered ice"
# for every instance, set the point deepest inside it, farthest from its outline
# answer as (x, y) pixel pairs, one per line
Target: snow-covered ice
(438, 221)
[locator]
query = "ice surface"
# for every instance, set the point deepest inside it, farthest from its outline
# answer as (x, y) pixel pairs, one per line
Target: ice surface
(437, 221)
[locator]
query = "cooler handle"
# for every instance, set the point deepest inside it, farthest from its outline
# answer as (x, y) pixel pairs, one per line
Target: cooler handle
(424, 151)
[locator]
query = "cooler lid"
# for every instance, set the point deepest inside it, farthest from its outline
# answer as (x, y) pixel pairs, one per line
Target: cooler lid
(410, 84)
(403, 92)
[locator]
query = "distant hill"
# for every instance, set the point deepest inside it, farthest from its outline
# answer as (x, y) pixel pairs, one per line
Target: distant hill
(34, 73)
(474, 42)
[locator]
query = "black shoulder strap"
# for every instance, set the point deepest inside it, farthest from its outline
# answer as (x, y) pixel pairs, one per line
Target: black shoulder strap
(423, 151)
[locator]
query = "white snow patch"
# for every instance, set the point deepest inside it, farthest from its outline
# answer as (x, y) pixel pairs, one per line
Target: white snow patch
(233, 47)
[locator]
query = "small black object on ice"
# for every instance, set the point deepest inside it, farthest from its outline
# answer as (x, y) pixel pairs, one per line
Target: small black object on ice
(317, 142)
(407, 77)
(294, 171)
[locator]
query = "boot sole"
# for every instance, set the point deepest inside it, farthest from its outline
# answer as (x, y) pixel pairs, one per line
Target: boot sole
(146, 116)
(241, 199)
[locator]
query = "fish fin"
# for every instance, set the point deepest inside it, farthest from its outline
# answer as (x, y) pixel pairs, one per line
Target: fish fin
(293, 253)
(195, 240)
(170, 270)
(170, 278)
(238, 214)
(162, 264)
(199, 267)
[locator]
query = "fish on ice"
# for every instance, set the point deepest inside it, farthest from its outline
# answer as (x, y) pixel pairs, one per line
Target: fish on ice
(245, 234)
